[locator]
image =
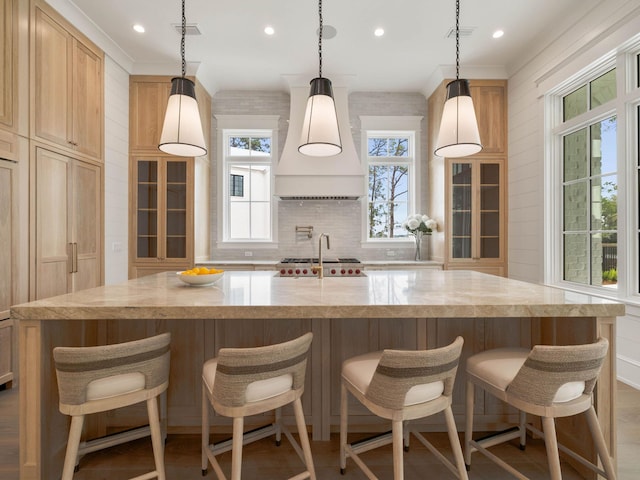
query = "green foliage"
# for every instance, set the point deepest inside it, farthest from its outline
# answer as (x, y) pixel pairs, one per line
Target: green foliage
(610, 276)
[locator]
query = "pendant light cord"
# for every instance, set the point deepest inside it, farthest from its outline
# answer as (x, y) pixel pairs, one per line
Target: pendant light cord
(319, 39)
(184, 33)
(457, 39)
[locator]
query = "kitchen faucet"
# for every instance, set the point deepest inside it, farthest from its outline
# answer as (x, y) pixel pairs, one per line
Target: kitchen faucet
(319, 269)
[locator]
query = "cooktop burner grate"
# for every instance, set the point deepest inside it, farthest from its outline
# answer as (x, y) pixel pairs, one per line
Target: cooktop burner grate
(324, 260)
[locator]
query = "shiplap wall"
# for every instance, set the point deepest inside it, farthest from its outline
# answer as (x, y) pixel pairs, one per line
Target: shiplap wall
(116, 172)
(602, 28)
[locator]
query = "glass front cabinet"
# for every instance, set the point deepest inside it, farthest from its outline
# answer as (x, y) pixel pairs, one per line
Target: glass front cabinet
(477, 217)
(162, 217)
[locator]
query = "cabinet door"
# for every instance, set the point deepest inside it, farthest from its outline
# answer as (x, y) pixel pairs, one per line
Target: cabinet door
(53, 253)
(86, 116)
(52, 78)
(477, 210)
(87, 214)
(148, 104)
(8, 38)
(163, 211)
(8, 218)
(175, 215)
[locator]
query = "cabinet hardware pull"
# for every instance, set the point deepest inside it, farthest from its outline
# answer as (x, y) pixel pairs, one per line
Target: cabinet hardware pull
(70, 253)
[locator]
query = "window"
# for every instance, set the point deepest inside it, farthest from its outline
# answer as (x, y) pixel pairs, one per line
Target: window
(390, 147)
(247, 196)
(236, 185)
(390, 160)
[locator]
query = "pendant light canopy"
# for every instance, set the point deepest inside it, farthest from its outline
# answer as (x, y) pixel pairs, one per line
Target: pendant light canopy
(320, 135)
(182, 130)
(459, 135)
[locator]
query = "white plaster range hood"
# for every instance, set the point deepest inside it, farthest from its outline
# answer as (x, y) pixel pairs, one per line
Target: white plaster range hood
(299, 177)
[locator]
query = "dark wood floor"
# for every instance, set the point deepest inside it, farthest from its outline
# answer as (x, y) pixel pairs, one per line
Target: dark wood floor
(262, 460)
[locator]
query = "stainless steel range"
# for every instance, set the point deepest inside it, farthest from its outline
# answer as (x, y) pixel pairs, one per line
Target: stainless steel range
(332, 267)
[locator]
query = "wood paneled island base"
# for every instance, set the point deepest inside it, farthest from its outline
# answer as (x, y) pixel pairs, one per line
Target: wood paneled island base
(348, 316)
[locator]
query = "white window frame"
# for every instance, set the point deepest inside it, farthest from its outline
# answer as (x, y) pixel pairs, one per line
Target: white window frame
(251, 126)
(624, 107)
(391, 126)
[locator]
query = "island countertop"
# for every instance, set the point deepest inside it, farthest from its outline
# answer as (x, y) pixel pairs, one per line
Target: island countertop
(407, 309)
(379, 294)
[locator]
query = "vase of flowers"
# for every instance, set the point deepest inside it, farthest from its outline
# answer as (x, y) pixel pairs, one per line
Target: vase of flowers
(419, 225)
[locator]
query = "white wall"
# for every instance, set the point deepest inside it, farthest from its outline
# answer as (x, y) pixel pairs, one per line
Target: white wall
(116, 172)
(604, 27)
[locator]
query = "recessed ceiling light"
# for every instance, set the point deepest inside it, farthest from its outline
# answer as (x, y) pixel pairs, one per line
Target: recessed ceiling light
(378, 32)
(269, 30)
(498, 33)
(138, 28)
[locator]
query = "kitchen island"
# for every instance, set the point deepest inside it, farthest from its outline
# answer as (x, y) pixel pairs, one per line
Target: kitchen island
(348, 316)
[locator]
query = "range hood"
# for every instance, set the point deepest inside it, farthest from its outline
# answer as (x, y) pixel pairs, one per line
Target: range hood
(299, 177)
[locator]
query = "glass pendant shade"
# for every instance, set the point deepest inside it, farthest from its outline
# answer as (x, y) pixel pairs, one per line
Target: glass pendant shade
(320, 135)
(459, 135)
(182, 130)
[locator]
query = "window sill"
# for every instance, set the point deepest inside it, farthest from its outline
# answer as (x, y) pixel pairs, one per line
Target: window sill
(258, 245)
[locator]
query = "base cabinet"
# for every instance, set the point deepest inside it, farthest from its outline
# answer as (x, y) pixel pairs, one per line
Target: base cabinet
(67, 249)
(7, 352)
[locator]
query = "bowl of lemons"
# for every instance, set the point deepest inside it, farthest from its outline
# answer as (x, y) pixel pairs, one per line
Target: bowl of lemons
(201, 276)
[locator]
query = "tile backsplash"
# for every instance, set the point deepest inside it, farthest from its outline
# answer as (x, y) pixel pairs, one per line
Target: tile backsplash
(340, 219)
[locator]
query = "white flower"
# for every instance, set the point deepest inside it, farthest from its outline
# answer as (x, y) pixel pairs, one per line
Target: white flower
(419, 223)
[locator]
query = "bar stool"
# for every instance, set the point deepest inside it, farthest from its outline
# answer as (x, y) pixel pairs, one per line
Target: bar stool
(548, 381)
(401, 386)
(248, 381)
(102, 378)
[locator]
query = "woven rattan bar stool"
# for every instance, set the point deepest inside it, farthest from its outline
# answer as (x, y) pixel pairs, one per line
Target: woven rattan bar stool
(548, 381)
(248, 381)
(401, 386)
(102, 378)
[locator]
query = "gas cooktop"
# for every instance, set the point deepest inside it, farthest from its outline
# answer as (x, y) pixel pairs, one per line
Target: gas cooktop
(315, 260)
(332, 267)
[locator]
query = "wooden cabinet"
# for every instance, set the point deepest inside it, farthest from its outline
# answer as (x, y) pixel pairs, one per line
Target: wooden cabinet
(8, 61)
(169, 212)
(67, 93)
(67, 240)
(473, 217)
(475, 205)
(162, 214)
(6, 352)
(8, 236)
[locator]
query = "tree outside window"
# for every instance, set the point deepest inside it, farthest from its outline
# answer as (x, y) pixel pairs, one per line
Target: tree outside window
(389, 180)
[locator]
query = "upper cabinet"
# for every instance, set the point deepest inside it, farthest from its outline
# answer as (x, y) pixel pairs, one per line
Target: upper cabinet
(67, 87)
(8, 43)
(473, 216)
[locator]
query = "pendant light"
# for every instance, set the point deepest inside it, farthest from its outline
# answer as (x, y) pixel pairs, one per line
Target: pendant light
(182, 130)
(320, 133)
(459, 135)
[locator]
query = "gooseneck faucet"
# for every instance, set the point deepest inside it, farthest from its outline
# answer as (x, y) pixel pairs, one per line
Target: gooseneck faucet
(319, 269)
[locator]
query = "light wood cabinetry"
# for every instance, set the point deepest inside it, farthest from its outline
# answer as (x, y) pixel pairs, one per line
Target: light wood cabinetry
(162, 214)
(6, 351)
(67, 86)
(169, 212)
(473, 216)
(8, 61)
(8, 235)
(67, 239)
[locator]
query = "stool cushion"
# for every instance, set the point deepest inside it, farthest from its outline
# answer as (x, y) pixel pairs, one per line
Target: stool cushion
(359, 371)
(115, 385)
(498, 367)
(256, 391)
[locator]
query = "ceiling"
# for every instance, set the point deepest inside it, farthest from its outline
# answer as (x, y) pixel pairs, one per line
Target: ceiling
(233, 52)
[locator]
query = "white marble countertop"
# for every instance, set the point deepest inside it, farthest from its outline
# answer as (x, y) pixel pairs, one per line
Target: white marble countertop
(418, 293)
